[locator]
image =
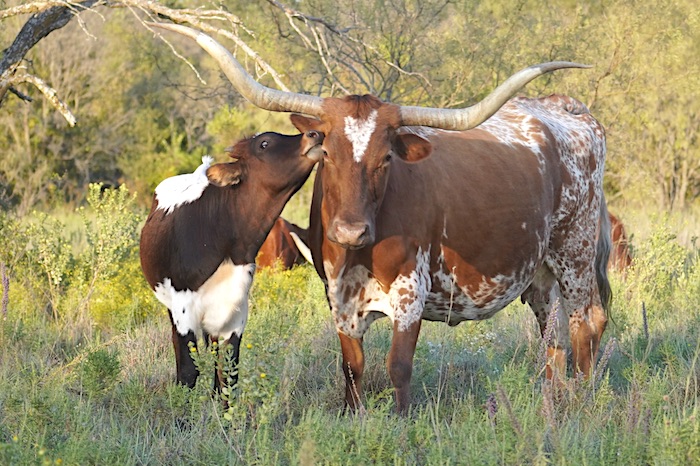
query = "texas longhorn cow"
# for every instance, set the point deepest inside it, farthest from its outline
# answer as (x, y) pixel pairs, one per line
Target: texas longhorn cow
(200, 240)
(505, 202)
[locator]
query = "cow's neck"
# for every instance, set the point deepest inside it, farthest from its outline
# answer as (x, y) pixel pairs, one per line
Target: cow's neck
(269, 205)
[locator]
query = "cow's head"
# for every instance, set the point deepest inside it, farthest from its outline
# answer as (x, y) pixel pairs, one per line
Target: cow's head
(361, 136)
(361, 144)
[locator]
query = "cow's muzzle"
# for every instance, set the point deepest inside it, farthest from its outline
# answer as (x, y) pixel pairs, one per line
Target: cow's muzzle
(351, 235)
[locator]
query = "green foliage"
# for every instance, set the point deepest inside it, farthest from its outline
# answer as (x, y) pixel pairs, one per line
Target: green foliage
(144, 115)
(97, 281)
(478, 397)
(478, 394)
(100, 371)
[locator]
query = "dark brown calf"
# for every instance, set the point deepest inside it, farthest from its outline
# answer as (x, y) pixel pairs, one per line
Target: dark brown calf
(199, 243)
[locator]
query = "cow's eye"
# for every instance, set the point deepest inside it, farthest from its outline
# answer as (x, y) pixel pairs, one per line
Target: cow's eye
(263, 144)
(387, 158)
(312, 134)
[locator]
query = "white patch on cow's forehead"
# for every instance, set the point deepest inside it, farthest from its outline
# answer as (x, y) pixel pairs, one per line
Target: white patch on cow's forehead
(219, 306)
(183, 189)
(359, 133)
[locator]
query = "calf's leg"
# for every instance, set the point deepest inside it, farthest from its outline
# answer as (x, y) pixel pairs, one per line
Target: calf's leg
(186, 370)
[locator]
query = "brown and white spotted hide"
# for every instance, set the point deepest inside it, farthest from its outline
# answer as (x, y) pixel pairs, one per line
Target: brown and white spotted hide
(200, 240)
(280, 248)
(415, 223)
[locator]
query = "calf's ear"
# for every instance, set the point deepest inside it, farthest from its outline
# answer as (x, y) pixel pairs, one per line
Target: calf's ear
(225, 174)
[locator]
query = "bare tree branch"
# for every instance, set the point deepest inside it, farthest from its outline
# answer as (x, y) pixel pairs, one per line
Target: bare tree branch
(360, 54)
(50, 15)
(35, 29)
(193, 17)
(51, 96)
(32, 7)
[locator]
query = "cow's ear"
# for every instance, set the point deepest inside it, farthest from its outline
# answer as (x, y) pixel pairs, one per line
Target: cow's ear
(225, 174)
(304, 123)
(411, 147)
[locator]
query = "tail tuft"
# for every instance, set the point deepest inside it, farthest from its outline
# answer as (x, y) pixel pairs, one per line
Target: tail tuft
(603, 249)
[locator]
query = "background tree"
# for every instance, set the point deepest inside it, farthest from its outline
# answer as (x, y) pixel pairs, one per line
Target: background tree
(145, 112)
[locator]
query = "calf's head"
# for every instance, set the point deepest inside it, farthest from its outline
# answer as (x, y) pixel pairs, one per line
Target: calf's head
(276, 163)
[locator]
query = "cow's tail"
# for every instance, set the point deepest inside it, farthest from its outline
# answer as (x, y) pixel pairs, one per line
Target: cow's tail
(602, 255)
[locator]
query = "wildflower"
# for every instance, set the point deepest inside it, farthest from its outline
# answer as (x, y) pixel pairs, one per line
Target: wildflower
(193, 349)
(249, 346)
(263, 375)
(15, 438)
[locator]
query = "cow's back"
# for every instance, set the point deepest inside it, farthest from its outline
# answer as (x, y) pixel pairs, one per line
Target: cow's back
(185, 245)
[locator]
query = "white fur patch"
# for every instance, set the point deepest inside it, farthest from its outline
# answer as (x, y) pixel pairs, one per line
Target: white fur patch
(183, 189)
(359, 133)
(403, 304)
(219, 306)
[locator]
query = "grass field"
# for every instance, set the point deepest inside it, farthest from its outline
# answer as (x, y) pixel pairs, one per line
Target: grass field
(89, 378)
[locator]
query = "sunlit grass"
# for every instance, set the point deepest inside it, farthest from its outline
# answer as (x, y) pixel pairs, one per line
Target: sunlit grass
(100, 389)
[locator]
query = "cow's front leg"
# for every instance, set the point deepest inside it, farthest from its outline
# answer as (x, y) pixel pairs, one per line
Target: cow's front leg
(399, 363)
(353, 367)
(184, 364)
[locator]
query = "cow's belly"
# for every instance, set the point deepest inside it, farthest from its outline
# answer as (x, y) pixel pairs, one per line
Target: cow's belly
(219, 306)
(357, 298)
(456, 305)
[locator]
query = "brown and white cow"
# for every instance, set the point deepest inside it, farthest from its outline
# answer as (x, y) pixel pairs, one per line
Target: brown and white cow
(200, 240)
(449, 215)
(286, 245)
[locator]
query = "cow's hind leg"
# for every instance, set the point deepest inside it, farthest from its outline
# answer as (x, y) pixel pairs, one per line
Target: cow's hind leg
(226, 372)
(544, 298)
(586, 331)
(229, 357)
(353, 368)
(184, 364)
(400, 362)
(575, 265)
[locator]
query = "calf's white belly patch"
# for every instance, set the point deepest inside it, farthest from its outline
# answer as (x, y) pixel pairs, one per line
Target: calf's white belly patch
(219, 306)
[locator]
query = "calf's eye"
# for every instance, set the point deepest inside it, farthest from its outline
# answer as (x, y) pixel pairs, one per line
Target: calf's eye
(263, 144)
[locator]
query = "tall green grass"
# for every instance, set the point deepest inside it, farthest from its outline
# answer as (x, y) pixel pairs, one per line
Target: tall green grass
(94, 382)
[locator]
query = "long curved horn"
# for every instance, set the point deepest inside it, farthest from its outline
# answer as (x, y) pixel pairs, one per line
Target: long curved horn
(257, 94)
(302, 247)
(460, 119)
